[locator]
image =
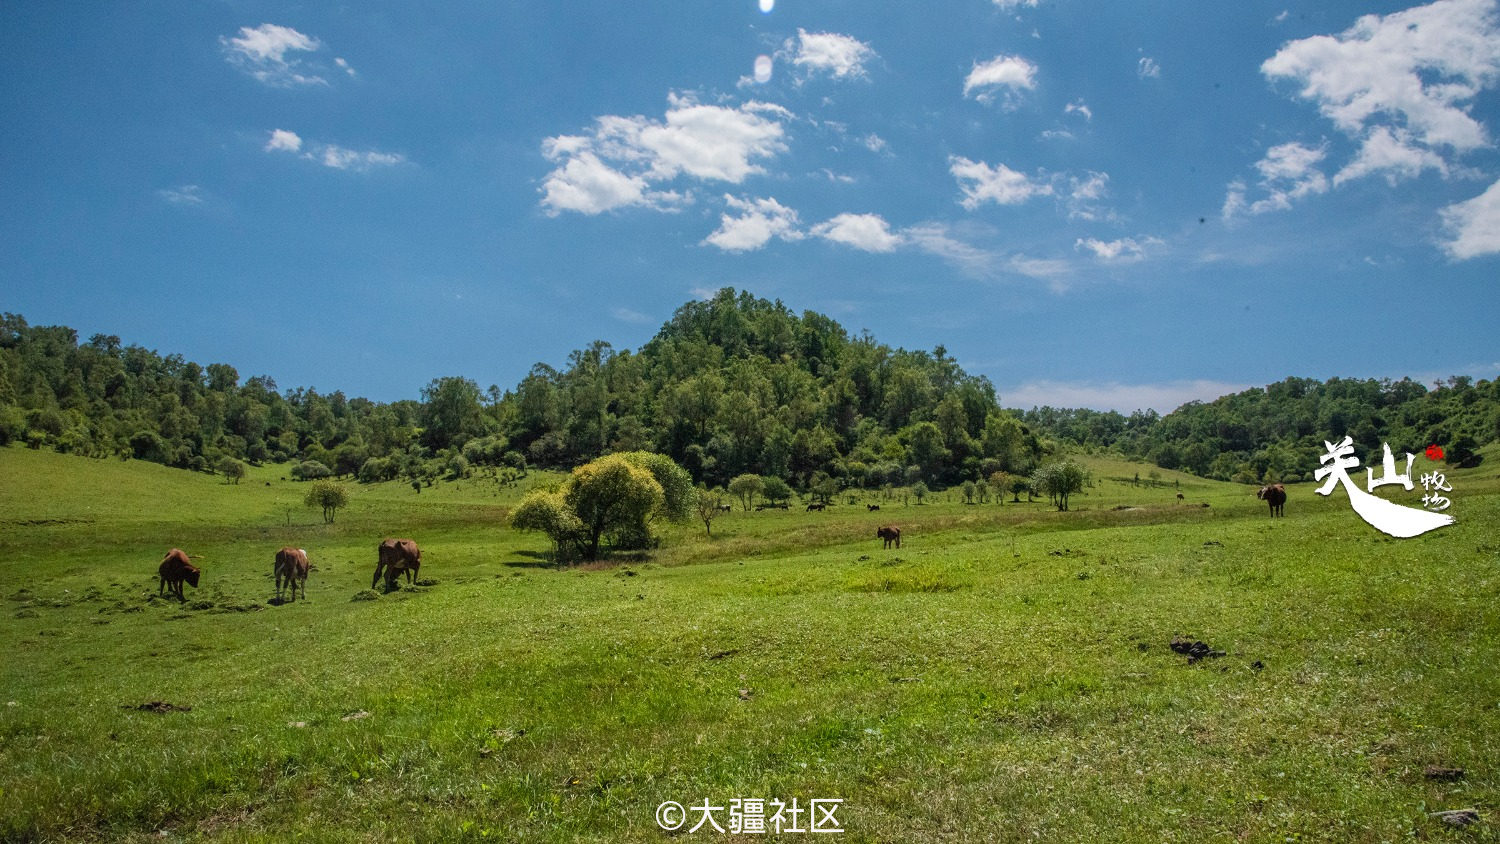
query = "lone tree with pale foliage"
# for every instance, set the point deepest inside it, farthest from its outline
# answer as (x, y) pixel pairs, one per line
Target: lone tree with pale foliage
(710, 507)
(328, 495)
(232, 470)
(1060, 480)
(746, 488)
(616, 496)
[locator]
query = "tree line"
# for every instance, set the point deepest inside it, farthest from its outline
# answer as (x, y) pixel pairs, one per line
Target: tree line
(1276, 433)
(733, 385)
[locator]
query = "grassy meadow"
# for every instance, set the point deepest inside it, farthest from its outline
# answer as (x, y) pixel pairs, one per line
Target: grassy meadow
(1003, 676)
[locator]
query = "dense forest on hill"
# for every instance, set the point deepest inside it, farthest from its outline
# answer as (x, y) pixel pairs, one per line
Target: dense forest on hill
(731, 385)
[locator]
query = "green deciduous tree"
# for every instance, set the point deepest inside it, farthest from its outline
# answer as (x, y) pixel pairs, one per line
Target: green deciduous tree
(329, 496)
(746, 488)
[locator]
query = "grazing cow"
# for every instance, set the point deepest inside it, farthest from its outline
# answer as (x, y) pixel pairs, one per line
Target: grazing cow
(812, 507)
(1274, 495)
(397, 556)
(1179, 497)
(291, 569)
(174, 569)
(872, 507)
(725, 508)
(890, 533)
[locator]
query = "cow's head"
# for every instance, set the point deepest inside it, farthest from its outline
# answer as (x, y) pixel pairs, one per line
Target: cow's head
(191, 576)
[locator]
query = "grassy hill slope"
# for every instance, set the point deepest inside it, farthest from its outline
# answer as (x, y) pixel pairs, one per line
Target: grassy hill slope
(1005, 675)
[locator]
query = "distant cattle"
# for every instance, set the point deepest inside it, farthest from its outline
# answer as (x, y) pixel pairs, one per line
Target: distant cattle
(872, 507)
(174, 569)
(725, 508)
(1179, 497)
(1275, 496)
(397, 556)
(891, 534)
(291, 569)
(812, 507)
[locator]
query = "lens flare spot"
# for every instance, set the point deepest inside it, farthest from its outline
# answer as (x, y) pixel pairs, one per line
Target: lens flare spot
(767, 5)
(762, 69)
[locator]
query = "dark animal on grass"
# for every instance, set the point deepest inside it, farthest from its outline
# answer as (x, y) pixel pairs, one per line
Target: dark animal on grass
(291, 570)
(872, 507)
(174, 569)
(397, 556)
(1274, 495)
(812, 507)
(891, 534)
(1179, 497)
(725, 508)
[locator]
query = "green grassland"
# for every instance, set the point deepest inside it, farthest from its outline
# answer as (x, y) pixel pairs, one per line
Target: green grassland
(1004, 675)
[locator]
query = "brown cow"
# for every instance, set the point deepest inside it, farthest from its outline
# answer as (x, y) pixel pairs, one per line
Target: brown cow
(1274, 495)
(890, 533)
(174, 569)
(291, 569)
(397, 556)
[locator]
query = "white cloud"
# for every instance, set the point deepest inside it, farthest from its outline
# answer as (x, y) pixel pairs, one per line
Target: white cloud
(1288, 172)
(1391, 152)
(759, 221)
(938, 239)
(1147, 68)
(1416, 68)
(284, 141)
(1009, 72)
(613, 165)
(344, 66)
(628, 315)
(262, 53)
(839, 56)
(341, 158)
(1084, 194)
(982, 183)
(1054, 271)
(1112, 395)
(589, 186)
(874, 143)
(1122, 251)
(1014, 4)
(1079, 107)
(1474, 225)
(183, 195)
(330, 155)
(868, 232)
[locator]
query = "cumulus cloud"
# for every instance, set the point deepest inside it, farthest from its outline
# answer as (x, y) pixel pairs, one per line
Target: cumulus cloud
(1417, 68)
(1147, 68)
(284, 141)
(867, 232)
(830, 53)
(1401, 86)
(1007, 74)
(1474, 225)
(267, 53)
(1287, 172)
(757, 222)
(616, 163)
(330, 155)
(1001, 185)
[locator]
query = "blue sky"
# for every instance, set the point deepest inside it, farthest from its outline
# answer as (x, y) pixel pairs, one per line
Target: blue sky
(1094, 204)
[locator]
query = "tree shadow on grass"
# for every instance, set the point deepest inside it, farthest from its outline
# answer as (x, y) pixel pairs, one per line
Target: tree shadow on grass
(536, 560)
